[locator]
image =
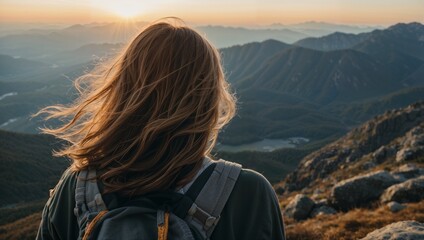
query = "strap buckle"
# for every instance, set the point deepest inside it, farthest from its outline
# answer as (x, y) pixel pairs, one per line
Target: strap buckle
(202, 216)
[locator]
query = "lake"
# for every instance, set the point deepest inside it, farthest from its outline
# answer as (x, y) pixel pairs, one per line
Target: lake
(265, 145)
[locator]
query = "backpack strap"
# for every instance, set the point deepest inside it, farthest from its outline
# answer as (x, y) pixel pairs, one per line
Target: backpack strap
(206, 210)
(88, 199)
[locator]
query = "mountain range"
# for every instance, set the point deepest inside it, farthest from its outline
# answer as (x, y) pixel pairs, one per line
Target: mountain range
(284, 90)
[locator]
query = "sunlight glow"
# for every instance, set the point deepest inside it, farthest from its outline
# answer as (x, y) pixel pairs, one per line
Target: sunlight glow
(122, 8)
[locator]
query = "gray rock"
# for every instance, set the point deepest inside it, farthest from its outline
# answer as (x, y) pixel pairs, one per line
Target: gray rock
(404, 154)
(380, 154)
(323, 210)
(407, 154)
(321, 202)
(407, 171)
(368, 165)
(300, 207)
(409, 191)
(395, 206)
(360, 190)
(405, 230)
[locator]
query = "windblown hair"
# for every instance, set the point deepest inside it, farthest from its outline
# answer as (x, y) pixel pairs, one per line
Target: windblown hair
(147, 120)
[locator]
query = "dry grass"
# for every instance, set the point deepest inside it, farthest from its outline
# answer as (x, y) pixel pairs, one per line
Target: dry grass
(25, 228)
(354, 224)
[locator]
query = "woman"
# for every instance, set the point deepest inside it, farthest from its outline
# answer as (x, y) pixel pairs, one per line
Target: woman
(148, 123)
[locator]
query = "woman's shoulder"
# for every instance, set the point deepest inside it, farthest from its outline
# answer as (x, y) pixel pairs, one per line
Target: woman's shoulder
(253, 181)
(64, 189)
(252, 188)
(252, 210)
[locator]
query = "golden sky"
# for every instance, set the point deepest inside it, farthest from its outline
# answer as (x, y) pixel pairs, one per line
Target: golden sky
(225, 12)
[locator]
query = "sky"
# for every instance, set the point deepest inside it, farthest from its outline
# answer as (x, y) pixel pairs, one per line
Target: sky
(223, 12)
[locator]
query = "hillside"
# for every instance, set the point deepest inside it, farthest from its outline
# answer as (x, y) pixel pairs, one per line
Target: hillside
(27, 168)
(240, 60)
(323, 77)
(370, 178)
(15, 65)
(357, 146)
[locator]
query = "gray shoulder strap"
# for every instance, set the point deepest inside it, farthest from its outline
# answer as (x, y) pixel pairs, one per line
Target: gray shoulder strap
(207, 208)
(88, 198)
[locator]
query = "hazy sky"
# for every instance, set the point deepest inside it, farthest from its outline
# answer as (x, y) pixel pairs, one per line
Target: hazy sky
(226, 12)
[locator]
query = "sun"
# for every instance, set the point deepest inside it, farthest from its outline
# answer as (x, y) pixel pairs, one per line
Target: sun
(122, 8)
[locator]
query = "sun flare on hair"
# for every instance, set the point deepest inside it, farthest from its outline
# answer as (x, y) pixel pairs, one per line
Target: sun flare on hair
(122, 8)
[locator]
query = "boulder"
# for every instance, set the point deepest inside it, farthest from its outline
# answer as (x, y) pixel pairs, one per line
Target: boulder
(360, 190)
(323, 210)
(409, 191)
(395, 206)
(404, 230)
(300, 207)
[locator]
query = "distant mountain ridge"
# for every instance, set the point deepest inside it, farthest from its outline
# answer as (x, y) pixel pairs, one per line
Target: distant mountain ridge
(334, 41)
(13, 65)
(283, 90)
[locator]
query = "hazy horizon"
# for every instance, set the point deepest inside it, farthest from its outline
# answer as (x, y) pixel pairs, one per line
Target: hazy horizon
(226, 13)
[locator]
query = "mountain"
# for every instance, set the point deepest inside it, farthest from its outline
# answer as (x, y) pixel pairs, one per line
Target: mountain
(416, 78)
(405, 38)
(331, 27)
(43, 45)
(323, 77)
(85, 53)
(402, 38)
(239, 60)
(400, 47)
(334, 41)
(38, 45)
(14, 65)
(229, 36)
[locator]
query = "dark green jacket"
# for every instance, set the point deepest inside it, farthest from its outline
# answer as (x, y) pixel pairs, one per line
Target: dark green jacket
(252, 211)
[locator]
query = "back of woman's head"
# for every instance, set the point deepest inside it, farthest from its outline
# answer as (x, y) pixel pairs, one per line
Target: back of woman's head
(147, 121)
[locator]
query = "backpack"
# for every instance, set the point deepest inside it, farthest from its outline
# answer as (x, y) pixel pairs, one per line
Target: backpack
(158, 215)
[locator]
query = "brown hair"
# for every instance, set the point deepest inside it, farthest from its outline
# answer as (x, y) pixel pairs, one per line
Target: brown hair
(147, 120)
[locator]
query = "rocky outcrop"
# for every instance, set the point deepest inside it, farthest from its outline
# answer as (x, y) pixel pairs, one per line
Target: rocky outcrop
(360, 190)
(383, 153)
(409, 191)
(405, 230)
(371, 139)
(407, 171)
(300, 207)
(412, 146)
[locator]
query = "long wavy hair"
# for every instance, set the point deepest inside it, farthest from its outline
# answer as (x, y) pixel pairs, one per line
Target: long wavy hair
(147, 119)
